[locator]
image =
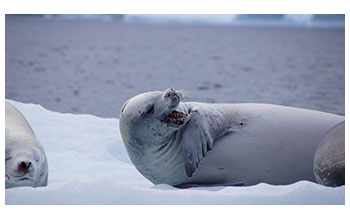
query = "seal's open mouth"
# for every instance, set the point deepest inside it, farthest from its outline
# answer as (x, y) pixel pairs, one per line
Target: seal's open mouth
(175, 117)
(15, 179)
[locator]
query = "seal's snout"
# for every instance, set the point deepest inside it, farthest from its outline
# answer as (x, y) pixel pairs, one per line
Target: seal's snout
(23, 167)
(173, 96)
(171, 93)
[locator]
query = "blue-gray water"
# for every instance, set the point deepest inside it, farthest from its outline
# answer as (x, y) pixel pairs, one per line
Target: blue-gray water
(93, 66)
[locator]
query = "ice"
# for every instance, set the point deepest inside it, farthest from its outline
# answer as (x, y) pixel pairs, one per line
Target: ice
(209, 19)
(88, 164)
(286, 20)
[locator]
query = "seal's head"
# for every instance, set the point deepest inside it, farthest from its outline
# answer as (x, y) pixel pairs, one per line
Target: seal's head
(152, 118)
(25, 165)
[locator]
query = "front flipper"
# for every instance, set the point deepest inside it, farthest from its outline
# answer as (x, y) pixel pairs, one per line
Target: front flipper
(196, 142)
(198, 137)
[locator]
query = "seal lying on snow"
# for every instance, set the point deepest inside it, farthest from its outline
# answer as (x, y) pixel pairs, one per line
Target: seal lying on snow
(189, 143)
(25, 159)
(329, 161)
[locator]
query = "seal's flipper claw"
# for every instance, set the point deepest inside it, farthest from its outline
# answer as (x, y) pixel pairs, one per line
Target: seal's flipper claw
(191, 185)
(236, 184)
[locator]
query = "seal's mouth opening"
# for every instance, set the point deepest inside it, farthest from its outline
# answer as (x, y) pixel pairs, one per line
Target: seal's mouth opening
(17, 179)
(175, 118)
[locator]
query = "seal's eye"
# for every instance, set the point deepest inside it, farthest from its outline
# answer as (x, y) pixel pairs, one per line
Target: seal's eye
(150, 110)
(36, 156)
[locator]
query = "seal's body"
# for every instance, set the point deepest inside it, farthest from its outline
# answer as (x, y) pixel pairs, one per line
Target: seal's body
(25, 159)
(178, 143)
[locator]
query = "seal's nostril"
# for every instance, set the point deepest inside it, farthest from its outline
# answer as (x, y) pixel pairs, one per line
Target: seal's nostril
(175, 98)
(23, 165)
(170, 92)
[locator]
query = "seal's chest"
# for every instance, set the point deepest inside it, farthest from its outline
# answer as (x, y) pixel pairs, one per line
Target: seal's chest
(162, 166)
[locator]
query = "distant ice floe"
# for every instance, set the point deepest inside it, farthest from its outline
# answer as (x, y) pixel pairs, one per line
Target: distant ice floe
(283, 20)
(198, 19)
(88, 164)
(103, 17)
(265, 20)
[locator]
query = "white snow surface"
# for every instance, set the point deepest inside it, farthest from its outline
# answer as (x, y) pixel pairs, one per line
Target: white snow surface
(88, 164)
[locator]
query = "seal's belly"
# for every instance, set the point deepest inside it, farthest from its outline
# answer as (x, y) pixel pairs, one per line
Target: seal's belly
(253, 162)
(265, 151)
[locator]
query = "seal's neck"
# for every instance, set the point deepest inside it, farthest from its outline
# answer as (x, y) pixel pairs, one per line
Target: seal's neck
(161, 163)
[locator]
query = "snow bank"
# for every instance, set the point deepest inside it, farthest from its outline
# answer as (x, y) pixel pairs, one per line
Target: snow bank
(89, 165)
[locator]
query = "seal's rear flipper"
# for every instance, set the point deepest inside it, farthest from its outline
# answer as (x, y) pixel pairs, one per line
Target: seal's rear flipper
(329, 159)
(191, 185)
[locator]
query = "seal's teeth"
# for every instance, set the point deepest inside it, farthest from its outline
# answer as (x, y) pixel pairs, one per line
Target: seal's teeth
(175, 117)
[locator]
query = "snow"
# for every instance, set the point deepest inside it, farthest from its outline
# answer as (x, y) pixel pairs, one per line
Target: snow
(89, 165)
